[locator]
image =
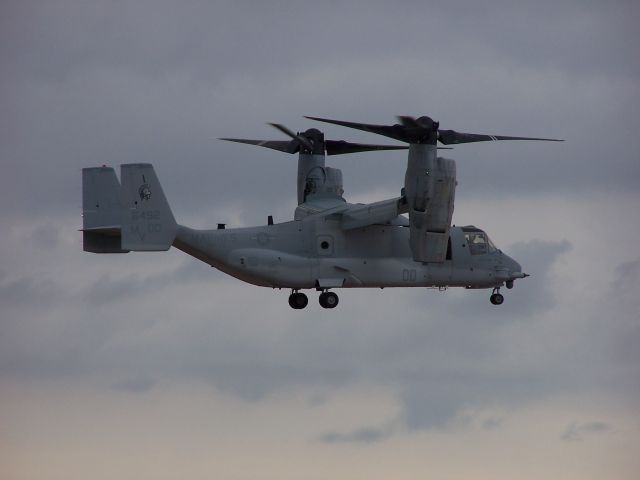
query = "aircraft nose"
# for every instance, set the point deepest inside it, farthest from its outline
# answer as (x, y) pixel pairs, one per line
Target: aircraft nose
(515, 266)
(509, 270)
(516, 269)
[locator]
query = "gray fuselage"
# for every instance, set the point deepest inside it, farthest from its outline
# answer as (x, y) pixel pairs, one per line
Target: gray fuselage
(317, 253)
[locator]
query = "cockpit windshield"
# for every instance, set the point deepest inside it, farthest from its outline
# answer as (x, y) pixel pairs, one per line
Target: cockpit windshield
(478, 241)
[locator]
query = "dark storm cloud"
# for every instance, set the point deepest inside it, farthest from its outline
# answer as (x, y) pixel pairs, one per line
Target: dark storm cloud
(159, 82)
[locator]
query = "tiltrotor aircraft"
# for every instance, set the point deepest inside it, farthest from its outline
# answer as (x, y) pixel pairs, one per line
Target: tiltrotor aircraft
(330, 243)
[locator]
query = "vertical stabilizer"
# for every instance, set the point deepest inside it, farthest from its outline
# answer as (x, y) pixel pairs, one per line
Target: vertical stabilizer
(147, 221)
(101, 211)
(100, 198)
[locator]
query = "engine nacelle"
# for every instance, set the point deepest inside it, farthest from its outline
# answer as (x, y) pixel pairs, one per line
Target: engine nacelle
(323, 182)
(430, 185)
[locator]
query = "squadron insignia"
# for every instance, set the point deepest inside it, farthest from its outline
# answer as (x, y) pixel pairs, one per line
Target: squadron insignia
(144, 191)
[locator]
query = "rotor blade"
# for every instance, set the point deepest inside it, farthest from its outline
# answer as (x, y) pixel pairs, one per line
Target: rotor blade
(339, 147)
(452, 137)
(333, 147)
(409, 122)
(280, 145)
(288, 132)
(396, 132)
(284, 130)
(411, 130)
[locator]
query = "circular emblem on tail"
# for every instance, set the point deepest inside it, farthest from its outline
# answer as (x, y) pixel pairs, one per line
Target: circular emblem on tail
(144, 191)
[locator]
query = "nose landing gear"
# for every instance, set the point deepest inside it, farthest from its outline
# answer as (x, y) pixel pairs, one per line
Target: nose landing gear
(496, 297)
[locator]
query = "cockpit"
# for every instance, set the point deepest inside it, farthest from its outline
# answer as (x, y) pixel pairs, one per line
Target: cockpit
(478, 241)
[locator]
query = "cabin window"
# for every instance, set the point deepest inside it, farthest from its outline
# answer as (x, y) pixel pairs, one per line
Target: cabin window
(479, 243)
(324, 245)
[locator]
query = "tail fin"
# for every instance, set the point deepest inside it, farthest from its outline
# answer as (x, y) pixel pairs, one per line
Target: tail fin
(147, 221)
(101, 211)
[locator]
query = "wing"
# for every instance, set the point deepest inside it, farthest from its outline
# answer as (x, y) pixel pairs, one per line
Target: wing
(385, 211)
(353, 216)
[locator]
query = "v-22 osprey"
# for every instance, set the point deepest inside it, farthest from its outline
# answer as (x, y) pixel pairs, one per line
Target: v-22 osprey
(406, 241)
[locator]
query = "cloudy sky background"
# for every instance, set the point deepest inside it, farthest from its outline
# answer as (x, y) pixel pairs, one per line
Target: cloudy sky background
(157, 366)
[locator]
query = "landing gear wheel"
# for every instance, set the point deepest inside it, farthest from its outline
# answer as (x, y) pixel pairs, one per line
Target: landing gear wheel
(328, 300)
(298, 300)
(496, 299)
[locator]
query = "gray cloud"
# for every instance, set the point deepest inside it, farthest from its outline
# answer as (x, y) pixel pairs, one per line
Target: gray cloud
(492, 423)
(136, 384)
(578, 431)
(434, 401)
(622, 307)
(439, 365)
(537, 257)
(29, 290)
(627, 274)
(102, 83)
(364, 435)
(105, 290)
(108, 288)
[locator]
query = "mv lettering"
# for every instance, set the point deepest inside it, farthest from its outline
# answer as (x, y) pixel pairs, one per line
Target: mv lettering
(138, 220)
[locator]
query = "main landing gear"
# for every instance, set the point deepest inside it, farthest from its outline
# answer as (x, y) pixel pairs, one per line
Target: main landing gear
(298, 300)
(328, 300)
(496, 297)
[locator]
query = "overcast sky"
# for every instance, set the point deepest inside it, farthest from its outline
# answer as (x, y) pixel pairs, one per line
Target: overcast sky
(154, 365)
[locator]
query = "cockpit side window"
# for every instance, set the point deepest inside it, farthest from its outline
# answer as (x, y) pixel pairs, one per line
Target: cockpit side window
(479, 243)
